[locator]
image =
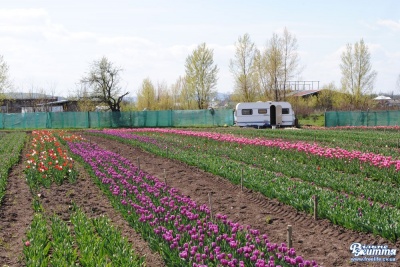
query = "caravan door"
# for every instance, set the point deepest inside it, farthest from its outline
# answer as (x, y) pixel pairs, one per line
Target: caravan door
(276, 115)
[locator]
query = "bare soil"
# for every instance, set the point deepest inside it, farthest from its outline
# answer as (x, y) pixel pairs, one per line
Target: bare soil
(320, 240)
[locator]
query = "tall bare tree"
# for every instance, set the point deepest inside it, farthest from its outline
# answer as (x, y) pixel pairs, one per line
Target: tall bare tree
(357, 75)
(201, 74)
(262, 78)
(5, 82)
(290, 59)
(274, 59)
(276, 65)
(104, 81)
(242, 69)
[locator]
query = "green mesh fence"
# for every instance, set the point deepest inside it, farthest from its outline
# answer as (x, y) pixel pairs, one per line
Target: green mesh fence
(163, 118)
(362, 118)
(25, 120)
(68, 120)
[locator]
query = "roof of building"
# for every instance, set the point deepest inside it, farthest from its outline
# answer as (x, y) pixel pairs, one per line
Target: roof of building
(22, 96)
(305, 92)
(54, 103)
(382, 97)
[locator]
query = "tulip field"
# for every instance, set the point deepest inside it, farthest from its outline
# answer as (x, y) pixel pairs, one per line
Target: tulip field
(354, 173)
(358, 190)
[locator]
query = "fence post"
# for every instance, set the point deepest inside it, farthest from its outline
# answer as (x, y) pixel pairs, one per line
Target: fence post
(289, 236)
(131, 118)
(315, 207)
(74, 119)
(337, 119)
(241, 182)
(98, 119)
(2, 120)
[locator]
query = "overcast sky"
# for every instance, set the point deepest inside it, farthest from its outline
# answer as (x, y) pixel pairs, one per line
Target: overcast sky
(51, 44)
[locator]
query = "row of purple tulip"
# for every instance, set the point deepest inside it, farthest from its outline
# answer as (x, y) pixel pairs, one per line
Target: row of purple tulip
(193, 237)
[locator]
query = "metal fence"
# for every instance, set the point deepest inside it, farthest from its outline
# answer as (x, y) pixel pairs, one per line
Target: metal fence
(163, 118)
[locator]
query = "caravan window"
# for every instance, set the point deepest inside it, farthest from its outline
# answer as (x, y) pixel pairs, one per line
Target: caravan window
(247, 112)
(285, 111)
(262, 111)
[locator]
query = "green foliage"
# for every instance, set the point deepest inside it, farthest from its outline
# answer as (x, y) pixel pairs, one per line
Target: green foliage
(11, 145)
(37, 246)
(50, 242)
(63, 251)
(312, 120)
(100, 244)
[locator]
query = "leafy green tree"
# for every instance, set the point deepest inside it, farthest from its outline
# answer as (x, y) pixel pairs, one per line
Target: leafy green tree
(325, 98)
(146, 98)
(357, 75)
(201, 74)
(104, 81)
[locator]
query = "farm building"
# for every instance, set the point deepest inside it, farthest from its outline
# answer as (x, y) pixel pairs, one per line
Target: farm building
(34, 102)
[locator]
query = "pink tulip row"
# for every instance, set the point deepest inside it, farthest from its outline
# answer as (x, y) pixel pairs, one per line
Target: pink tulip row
(373, 159)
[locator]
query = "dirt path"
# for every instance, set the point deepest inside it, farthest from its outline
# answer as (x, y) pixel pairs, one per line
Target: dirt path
(16, 214)
(320, 240)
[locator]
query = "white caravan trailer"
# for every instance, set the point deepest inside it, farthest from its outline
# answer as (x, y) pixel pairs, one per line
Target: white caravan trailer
(264, 114)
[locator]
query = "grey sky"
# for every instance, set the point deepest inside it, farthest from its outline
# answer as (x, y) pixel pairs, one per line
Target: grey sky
(50, 44)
